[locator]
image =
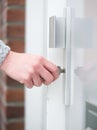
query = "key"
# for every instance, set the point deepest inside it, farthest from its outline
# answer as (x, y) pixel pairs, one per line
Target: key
(61, 70)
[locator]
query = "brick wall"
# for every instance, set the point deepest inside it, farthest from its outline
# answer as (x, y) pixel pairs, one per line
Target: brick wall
(12, 20)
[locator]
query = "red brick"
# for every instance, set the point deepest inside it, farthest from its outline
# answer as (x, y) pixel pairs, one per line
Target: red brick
(1, 6)
(16, 2)
(15, 95)
(15, 15)
(13, 2)
(3, 125)
(15, 126)
(3, 109)
(16, 45)
(13, 31)
(15, 112)
(2, 86)
(12, 14)
(12, 83)
(2, 90)
(1, 34)
(16, 31)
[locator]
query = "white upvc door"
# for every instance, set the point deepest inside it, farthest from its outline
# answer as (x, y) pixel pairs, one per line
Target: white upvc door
(42, 111)
(34, 101)
(63, 31)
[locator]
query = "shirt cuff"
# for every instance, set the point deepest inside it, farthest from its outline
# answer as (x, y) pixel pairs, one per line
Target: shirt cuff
(4, 50)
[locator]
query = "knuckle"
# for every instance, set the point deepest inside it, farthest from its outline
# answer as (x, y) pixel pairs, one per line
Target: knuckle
(46, 83)
(38, 63)
(49, 81)
(36, 66)
(31, 72)
(40, 59)
(29, 86)
(55, 70)
(38, 84)
(26, 78)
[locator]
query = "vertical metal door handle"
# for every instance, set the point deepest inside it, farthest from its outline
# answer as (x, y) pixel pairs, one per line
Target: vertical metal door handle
(60, 37)
(69, 59)
(57, 32)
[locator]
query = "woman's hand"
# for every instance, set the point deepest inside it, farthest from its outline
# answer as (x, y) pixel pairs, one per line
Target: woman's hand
(29, 69)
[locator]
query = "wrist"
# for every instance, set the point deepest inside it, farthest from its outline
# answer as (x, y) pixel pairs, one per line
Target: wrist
(6, 61)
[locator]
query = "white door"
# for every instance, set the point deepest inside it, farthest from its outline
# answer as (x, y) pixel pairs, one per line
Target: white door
(82, 114)
(64, 31)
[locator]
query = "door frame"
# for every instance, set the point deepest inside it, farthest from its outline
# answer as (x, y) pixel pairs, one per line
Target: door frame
(35, 98)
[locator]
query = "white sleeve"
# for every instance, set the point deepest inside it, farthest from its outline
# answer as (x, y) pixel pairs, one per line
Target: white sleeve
(4, 50)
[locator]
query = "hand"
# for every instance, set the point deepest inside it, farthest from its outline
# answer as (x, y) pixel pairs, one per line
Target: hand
(29, 69)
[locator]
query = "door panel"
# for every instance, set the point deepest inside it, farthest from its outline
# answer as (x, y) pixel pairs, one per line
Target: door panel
(82, 114)
(56, 53)
(62, 105)
(55, 94)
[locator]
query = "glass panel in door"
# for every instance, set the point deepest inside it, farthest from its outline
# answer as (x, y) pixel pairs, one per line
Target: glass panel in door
(82, 113)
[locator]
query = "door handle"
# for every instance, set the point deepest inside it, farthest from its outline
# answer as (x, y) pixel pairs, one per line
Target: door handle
(64, 34)
(57, 32)
(59, 37)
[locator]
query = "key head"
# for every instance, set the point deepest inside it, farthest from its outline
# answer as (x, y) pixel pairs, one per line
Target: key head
(61, 70)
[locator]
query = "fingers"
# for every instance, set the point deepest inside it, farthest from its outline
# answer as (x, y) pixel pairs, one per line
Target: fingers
(40, 72)
(30, 69)
(52, 69)
(37, 80)
(28, 83)
(46, 76)
(32, 80)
